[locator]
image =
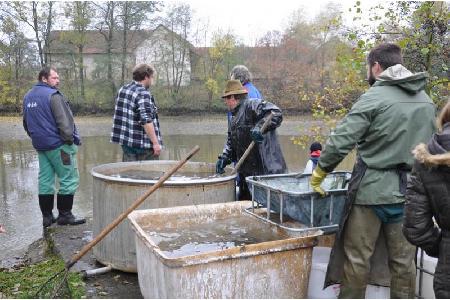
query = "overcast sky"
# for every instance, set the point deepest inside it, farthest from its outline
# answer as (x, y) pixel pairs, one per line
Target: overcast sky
(250, 19)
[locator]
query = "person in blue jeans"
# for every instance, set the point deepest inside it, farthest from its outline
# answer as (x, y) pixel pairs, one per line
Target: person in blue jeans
(241, 73)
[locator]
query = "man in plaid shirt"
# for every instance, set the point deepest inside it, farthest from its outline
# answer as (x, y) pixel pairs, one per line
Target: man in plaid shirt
(135, 123)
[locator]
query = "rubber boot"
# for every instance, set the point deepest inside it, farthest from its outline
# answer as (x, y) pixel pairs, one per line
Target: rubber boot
(46, 205)
(65, 217)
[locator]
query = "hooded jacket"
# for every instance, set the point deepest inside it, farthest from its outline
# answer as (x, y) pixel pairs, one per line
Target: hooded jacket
(267, 157)
(384, 125)
(428, 197)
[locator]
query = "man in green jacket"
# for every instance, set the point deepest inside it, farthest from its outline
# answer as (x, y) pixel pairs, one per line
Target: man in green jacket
(384, 125)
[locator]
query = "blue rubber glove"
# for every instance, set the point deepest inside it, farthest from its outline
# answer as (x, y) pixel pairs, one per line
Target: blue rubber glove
(257, 135)
(221, 163)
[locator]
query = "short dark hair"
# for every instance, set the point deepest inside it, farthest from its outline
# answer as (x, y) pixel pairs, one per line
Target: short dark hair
(45, 72)
(315, 146)
(387, 55)
(141, 71)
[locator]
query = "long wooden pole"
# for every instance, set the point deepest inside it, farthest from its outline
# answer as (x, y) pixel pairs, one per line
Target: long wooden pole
(136, 203)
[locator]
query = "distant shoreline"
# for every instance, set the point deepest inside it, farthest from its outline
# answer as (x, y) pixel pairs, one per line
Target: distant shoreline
(215, 124)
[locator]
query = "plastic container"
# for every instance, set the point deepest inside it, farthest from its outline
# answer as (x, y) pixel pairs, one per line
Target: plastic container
(278, 268)
(377, 292)
(424, 286)
(321, 256)
(291, 195)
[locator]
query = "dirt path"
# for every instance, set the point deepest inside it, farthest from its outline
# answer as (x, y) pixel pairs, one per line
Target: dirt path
(11, 127)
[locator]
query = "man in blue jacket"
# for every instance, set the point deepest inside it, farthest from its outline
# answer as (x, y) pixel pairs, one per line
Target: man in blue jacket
(241, 73)
(48, 120)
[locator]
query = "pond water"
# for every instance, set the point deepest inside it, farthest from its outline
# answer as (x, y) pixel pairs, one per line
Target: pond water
(19, 208)
(154, 175)
(220, 234)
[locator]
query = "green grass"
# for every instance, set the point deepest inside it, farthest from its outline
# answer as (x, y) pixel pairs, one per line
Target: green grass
(25, 282)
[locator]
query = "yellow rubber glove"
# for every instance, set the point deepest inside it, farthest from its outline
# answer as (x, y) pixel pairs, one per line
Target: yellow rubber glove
(317, 177)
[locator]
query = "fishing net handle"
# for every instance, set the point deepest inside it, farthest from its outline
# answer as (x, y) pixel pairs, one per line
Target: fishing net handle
(136, 203)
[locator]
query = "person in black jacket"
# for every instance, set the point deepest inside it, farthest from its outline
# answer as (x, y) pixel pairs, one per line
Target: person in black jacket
(428, 198)
(248, 117)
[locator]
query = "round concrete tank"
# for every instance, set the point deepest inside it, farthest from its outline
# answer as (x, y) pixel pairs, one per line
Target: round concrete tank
(113, 194)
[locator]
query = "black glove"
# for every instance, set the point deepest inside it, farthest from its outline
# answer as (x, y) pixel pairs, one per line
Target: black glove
(221, 163)
(257, 135)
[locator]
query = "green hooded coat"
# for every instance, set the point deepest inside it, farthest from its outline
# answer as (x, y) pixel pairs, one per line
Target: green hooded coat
(384, 125)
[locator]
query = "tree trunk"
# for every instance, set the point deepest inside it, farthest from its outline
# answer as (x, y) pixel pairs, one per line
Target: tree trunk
(36, 32)
(81, 73)
(110, 40)
(48, 29)
(428, 58)
(17, 79)
(124, 41)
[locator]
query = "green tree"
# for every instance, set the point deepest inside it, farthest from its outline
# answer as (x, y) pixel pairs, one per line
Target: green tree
(421, 29)
(17, 62)
(214, 68)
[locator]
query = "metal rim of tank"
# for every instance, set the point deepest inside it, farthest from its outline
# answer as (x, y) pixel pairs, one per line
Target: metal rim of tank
(96, 172)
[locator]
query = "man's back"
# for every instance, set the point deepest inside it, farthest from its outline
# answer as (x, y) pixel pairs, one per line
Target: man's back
(386, 123)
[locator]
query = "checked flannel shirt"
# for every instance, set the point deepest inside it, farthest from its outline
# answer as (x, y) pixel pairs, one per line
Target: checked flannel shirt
(135, 106)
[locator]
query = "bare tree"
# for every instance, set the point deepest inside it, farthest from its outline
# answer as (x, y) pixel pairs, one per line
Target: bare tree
(132, 16)
(107, 25)
(80, 14)
(39, 17)
(174, 57)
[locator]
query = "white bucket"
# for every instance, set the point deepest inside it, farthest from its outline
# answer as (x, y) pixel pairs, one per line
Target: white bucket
(429, 264)
(377, 292)
(321, 256)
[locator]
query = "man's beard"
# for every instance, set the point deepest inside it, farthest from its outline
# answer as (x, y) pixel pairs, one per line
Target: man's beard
(371, 80)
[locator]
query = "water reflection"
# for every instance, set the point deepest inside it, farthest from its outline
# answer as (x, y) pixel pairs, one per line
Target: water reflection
(19, 209)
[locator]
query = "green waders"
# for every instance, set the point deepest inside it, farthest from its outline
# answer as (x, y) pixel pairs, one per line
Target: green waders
(61, 162)
(361, 233)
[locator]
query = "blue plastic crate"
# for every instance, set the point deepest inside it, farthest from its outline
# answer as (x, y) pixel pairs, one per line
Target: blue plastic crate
(292, 195)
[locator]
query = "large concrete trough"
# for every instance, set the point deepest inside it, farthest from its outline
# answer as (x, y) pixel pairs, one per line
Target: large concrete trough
(114, 192)
(246, 259)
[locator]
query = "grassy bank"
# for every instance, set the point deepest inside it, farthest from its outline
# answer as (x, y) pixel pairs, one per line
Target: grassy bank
(25, 281)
